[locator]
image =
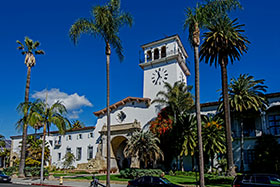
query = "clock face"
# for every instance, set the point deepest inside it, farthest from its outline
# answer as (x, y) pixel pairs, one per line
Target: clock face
(159, 76)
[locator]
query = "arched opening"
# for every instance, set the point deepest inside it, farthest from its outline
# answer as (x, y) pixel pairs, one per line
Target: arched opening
(163, 51)
(149, 55)
(118, 145)
(156, 54)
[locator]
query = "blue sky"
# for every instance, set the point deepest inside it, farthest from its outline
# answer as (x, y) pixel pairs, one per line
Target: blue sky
(77, 73)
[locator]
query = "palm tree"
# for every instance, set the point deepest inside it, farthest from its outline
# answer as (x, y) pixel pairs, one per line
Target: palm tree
(197, 18)
(190, 137)
(213, 137)
(246, 95)
(106, 23)
(144, 146)
(29, 49)
(77, 124)
(224, 42)
(178, 101)
(47, 115)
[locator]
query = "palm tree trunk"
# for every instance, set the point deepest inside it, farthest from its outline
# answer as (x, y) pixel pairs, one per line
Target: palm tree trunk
(230, 164)
(198, 118)
(25, 125)
(241, 146)
(182, 163)
(43, 153)
(108, 53)
(197, 105)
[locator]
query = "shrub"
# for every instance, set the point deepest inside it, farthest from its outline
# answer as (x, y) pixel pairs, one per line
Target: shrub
(132, 173)
(10, 170)
(34, 171)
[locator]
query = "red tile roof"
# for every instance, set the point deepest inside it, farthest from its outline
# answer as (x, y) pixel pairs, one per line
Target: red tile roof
(123, 102)
(56, 132)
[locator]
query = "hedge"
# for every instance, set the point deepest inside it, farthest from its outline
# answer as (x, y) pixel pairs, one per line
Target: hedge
(133, 173)
(34, 171)
(10, 170)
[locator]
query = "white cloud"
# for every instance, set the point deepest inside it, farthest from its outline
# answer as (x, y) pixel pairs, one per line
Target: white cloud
(72, 102)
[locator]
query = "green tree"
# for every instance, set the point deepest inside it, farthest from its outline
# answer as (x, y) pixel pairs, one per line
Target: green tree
(106, 23)
(2, 142)
(189, 146)
(48, 115)
(29, 49)
(224, 43)
(213, 136)
(178, 101)
(267, 157)
(4, 152)
(246, 97)
(69, 159)
(144, 146)
(34, 151)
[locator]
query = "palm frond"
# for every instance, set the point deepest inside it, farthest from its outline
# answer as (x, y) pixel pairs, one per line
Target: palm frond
(82, 26)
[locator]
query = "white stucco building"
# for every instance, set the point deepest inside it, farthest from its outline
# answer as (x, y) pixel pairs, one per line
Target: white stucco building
(165, 61)
(77, 141)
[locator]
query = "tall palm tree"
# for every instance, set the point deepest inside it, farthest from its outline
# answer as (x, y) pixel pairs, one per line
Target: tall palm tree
(213, 136)
(106, 23)
(144, 146)
(47, 115)
(178, 101)
(196, 19)
(246, 95)
(29, 49)
(224, 42)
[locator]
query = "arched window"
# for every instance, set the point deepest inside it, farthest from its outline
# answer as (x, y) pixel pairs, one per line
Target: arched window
(156, 54)
(163, 52)
(149, 55)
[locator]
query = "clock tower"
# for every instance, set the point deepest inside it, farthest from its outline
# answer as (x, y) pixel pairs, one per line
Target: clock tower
(164, 61)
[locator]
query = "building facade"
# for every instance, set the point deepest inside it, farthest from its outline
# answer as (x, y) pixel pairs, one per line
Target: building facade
(254, 126)
(164, 61)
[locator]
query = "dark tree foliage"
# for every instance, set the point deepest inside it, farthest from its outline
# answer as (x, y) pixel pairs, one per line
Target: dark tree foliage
(267, 157)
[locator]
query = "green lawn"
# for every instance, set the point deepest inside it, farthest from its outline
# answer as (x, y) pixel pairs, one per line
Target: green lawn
(178, 179)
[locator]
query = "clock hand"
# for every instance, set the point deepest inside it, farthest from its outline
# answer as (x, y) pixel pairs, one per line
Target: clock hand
(156, 81)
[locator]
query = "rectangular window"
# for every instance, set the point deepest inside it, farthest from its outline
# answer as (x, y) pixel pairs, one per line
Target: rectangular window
(90, 152)
(69, 137)
(59, 156)
(51, 142)
(79, 153)
(80, 136)
(68, 150)
(274, 124)
(90, 135)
